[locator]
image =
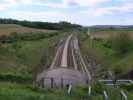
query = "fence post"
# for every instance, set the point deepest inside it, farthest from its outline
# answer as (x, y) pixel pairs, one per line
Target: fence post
(69, 89)
(123, 95)
(52, 82)
(105, 96)
(89, 91)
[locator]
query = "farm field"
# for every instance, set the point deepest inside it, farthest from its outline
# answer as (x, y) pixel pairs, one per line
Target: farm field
(106, 33)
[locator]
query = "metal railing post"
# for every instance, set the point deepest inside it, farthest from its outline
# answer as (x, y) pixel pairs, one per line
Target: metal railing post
(123, 95)
(105, 96)
(89, 91)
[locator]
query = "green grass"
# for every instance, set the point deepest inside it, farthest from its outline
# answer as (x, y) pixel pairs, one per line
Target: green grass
(23, 58)
(15, 91)
(12, 91)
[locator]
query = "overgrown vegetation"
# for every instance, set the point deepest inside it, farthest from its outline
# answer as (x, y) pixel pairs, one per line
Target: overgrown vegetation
(23, 55)
(13, 91)
(111, 54)
(121, 43)
(26, 37)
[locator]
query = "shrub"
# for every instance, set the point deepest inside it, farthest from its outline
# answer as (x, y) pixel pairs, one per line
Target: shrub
(15, 78)
(121, 43)
(25, 37)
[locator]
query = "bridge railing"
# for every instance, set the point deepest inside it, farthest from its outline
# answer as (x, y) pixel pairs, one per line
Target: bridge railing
(123, 95)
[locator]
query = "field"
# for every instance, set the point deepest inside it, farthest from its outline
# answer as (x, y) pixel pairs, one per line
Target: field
(7, 29)
(106, 33)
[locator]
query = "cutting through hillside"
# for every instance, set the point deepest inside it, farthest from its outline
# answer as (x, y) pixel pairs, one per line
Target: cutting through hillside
(67, 67)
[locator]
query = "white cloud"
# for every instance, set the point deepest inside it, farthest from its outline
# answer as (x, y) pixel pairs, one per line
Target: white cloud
(38, 15)
(46, 3)
(19, 1)
(51, 5)
(47, 16)
(5, 5)
(64, 3)
(85, 2)
(123, 8)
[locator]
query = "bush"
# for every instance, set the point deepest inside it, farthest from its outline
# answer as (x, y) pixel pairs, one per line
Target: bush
(121, 43)
(127, 87)
(15, 78)
(97, 87)
(25, 37)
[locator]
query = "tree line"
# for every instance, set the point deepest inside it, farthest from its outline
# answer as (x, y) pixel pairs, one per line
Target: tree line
(42, 25)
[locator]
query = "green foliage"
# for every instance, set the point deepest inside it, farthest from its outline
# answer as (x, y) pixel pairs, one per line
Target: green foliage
(97, 88)
(15, 78)
(113, 54)
(121, 43)
(127, 87)
(12, 91)
(25, 37)
(25, 57)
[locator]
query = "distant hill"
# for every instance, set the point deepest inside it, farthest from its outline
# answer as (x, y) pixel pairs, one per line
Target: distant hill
(42, 25)
(113, 26)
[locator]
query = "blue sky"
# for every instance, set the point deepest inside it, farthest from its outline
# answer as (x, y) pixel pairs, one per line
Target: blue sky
(84, 12)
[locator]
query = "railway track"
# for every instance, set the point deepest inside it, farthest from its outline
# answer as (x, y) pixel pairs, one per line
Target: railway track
(58, 56)
(69, 56)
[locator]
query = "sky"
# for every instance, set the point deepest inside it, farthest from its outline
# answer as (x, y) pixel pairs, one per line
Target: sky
(84, 12)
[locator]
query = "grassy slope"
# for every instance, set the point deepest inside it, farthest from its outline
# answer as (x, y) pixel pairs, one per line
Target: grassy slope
(7, 29)
(21, 58)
